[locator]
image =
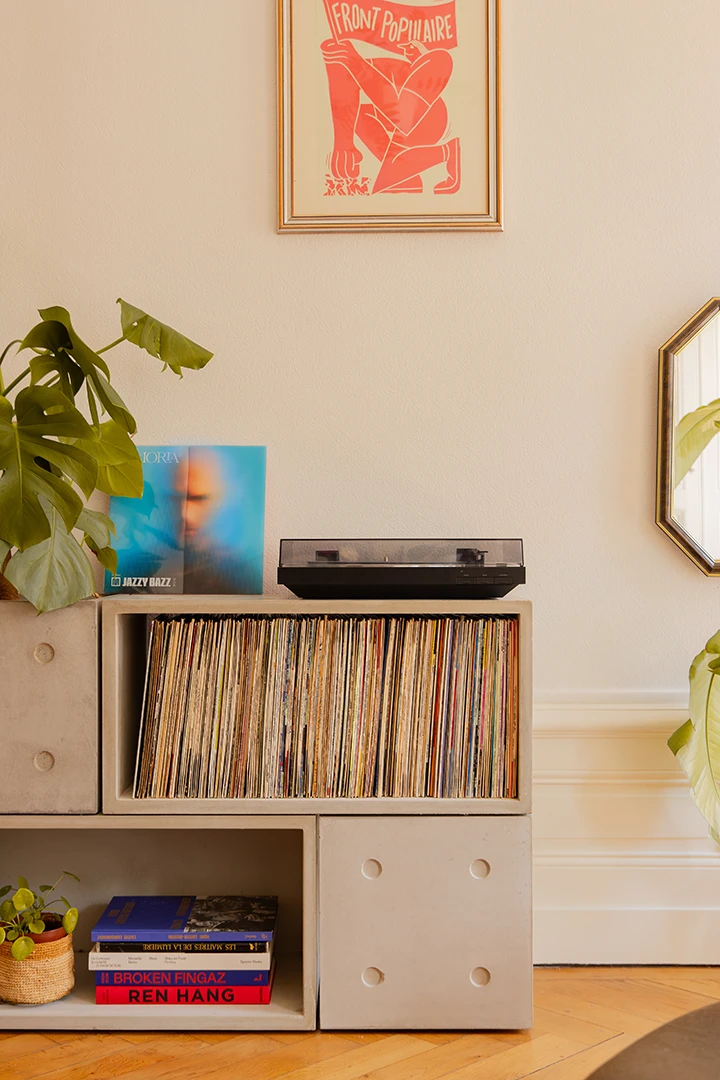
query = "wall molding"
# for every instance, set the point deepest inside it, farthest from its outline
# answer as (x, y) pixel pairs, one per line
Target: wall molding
(624, 869)
(595, 719)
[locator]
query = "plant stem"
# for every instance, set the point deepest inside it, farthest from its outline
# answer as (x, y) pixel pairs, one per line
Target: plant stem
(111, 345)
(20, 377)
(7, 349)
(93, 406)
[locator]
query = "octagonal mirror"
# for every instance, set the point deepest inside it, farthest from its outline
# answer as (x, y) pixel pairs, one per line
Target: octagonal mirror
(688, 489)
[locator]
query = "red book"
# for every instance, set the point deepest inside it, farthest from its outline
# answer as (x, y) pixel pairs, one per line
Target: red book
(182, 995)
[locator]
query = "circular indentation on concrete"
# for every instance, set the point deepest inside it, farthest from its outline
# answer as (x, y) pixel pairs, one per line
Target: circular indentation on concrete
(43, 653)
(371, 869)
(479, 976)
(480, 868)
(372, 976)
(43, 761)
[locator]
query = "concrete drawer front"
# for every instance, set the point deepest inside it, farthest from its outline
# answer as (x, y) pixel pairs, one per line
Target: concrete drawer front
(49, 709)
(425, 922)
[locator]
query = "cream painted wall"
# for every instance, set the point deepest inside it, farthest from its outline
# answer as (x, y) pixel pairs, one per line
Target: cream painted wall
(404, 385)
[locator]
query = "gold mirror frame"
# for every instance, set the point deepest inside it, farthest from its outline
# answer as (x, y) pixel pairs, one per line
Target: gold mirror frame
(666, 438)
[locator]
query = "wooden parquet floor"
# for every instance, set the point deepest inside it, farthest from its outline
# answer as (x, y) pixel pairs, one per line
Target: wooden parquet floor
(584, 1016)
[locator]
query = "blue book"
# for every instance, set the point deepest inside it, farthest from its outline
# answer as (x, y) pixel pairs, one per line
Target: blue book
(182, 978)
(187, 918)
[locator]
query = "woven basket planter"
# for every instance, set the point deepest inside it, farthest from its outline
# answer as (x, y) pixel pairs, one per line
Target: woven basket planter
(46, 975)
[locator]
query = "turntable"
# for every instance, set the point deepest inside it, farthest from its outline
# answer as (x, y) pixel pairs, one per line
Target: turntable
(401, 569)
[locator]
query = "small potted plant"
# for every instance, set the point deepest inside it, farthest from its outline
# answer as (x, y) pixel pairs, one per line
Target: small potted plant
(37, 962)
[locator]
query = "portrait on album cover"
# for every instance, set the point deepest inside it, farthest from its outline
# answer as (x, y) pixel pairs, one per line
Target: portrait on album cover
(198, 526)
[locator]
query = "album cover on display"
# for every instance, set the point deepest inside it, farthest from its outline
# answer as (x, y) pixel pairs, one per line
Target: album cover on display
(198, 526)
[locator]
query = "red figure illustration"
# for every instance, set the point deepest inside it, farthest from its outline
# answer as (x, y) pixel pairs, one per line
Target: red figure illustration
(394, 106)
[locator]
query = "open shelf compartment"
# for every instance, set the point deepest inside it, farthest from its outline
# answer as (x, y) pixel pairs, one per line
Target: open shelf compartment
(178, 855)
(125, 625)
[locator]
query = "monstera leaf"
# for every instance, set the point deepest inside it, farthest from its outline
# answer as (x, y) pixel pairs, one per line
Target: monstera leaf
(161, 341)
(119, 465)
(692, 434)
(55, 572)
(697, 743)
(93, 368)
(52, 340)
(98, 532)
(34, 464)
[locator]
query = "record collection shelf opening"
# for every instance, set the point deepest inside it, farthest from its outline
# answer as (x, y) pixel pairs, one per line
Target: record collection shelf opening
(309, 704)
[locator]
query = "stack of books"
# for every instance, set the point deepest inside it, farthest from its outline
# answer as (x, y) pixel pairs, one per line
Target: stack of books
(184, 950)
(330, 707)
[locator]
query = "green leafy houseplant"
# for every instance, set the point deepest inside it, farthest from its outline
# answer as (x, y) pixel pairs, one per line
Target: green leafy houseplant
(52, 458)
(22, 914)
(693, 433)
(696, 744)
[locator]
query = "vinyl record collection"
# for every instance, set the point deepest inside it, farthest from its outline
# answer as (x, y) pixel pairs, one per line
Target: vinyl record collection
(330, 707)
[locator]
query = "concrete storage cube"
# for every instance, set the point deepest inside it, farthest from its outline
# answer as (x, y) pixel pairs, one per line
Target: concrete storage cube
(425, 923)
(182, 855)
(125, 630)
(49, 709)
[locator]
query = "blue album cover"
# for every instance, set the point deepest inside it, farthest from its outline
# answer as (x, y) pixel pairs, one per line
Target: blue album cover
(198, 526)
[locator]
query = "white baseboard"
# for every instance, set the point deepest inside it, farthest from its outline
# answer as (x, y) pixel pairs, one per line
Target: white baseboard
(625, 872)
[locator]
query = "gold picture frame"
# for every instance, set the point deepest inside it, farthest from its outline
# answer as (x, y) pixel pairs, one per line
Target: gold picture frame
(684, 435)
(386, 119)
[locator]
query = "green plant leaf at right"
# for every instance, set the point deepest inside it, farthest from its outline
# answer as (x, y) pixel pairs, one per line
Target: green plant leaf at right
(696, 744)
(161, 341)
(70, 920)
(693, 433)
(54, 573)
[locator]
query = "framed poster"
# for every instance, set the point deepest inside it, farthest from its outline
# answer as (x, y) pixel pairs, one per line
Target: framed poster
(389, 115)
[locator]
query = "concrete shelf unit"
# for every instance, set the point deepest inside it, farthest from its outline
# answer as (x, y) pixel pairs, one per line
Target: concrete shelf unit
(424, 912)
(125, 622)
(177, 855)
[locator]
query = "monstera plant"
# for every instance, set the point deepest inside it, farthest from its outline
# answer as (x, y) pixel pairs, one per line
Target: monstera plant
(65, 432)
(696, 744)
